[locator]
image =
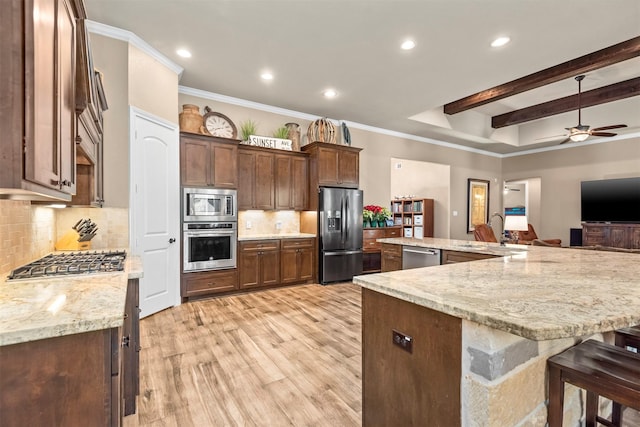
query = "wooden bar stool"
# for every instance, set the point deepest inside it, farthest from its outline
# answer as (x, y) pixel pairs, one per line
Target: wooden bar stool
(599, 368)
(626, 337)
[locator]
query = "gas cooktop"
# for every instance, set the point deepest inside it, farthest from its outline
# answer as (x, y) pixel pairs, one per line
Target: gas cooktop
(71, 263)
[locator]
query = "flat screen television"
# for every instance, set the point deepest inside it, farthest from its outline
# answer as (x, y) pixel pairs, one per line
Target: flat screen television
(611, 200)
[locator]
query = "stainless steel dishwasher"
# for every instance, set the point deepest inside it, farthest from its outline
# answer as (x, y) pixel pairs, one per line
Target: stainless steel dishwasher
(414, 257)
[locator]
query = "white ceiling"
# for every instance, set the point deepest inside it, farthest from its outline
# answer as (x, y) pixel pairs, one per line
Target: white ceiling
(353, 46)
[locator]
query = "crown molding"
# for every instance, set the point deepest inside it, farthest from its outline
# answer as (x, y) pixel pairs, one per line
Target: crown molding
(133, 39)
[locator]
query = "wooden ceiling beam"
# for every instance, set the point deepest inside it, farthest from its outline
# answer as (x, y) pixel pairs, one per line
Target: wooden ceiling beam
(589, 98)
(611, 55)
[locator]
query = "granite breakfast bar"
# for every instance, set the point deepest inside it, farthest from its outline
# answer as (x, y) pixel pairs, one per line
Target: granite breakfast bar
(466, 344)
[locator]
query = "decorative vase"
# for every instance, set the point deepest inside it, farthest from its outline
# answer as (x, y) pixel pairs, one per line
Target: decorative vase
(366, 224)
(294, 135)
(322, 130)
(382, 223)
(374, 224)
(190, 119)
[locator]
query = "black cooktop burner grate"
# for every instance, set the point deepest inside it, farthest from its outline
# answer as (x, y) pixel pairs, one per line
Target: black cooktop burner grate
(72, 263)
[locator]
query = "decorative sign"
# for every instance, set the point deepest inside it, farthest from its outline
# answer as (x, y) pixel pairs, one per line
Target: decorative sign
(269, 142)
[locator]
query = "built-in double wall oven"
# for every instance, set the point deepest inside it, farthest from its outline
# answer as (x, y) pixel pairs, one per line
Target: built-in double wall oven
(210, 229)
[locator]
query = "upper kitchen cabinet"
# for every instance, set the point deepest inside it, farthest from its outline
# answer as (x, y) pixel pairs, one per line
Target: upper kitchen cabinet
(256, 189)
(333, 166)
(37, 84)
(208, 161)
(292, 190)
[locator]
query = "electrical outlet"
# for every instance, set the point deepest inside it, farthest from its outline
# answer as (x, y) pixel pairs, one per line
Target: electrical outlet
(278, 225)
(455, 213)
(249, 225)
(403, 341)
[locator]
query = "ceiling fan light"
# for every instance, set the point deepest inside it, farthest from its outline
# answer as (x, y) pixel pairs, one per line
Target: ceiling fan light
(579, 137)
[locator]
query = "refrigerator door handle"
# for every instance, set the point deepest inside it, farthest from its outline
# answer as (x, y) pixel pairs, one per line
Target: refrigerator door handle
(341, 253)
(346, 219)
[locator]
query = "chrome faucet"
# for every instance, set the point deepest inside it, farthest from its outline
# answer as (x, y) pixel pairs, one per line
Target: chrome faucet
(502, 236)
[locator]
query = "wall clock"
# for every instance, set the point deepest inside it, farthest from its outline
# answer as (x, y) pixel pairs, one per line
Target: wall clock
(217, 124)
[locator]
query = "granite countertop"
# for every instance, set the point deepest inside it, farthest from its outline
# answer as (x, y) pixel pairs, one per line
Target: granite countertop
(275, 236)
(539, 293)
(52, 307)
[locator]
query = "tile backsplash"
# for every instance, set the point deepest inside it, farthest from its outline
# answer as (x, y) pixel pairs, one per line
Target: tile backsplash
(28, 232)
(266, 222)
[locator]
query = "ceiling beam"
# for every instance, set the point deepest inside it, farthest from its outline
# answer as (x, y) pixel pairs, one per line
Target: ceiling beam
(589, 98)
(611, 55)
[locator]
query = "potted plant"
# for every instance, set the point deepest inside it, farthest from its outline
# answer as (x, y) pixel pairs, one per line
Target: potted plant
(282, 132)
(367, 217)
(375, 214)
(383, 216)
(248, 128)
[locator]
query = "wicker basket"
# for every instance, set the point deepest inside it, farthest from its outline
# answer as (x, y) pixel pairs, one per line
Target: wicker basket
(322, 130)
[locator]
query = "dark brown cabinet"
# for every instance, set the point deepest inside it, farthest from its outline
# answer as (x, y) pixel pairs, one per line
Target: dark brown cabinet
(452, 257)
(258, 263)
(614, 235)
(297, 259)
(256, 186)
(291, 185)
(372, 249)
(332, 165)
(202, 283)
(82, 379)
(38, 82)
(208, 161)
(391, 257)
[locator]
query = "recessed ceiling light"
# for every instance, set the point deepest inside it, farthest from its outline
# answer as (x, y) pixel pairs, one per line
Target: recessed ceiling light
(408, 45)
(330, 93)
(184, 53)
(266, 76)
(500, 41)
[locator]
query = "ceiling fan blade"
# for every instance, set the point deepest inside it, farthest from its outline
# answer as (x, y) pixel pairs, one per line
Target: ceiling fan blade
(609, 127)
(603, 134)
(565, 140)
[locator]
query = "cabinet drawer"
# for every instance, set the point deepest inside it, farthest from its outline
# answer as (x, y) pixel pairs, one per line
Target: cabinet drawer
(373, 233)
(259, 245)
(392, 232)
(296, 243)
(452, 257)
(371, 245)
(208, 282)
(391, 250)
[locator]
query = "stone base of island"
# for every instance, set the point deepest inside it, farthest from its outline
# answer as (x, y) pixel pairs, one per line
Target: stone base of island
(467, 344)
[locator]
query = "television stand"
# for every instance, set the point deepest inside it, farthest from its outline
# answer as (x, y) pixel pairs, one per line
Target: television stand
(611, 234)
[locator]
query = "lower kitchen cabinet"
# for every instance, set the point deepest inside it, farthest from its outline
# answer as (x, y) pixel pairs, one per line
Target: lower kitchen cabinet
(84, 379)
(202, 283)
(259, 263)
(371, 248)
(391, 257)
(297, 260)
(452, 257)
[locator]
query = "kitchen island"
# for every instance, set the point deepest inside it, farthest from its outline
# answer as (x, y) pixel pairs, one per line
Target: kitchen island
(466, 344)
(69, 348)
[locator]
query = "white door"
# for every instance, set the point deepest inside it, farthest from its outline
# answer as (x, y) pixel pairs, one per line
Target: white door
(155, 209)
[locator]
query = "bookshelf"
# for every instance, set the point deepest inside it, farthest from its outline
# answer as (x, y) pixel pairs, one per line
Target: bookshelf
(414, 215)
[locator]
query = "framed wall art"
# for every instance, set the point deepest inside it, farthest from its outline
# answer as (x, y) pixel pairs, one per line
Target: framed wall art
(477, 203)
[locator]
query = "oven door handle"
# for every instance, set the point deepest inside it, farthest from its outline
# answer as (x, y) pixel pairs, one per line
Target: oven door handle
(192, 233)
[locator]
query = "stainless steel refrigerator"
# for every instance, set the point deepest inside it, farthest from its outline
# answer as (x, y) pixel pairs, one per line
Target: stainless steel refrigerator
(340, 234)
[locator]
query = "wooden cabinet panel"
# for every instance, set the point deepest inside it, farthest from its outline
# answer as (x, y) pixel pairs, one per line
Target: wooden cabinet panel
(452, 257)
(291, 187)
(297, 260)
(331, 165)
(256, 189)
(201, 283)
(207, 161)
(391, 257)
(195, 162)
(389, 372)
(612, 235)
(258, 263)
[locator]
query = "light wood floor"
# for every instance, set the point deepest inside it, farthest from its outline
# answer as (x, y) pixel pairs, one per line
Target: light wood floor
(282, 357)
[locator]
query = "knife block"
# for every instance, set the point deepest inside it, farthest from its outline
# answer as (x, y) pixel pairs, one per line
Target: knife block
(69, 242)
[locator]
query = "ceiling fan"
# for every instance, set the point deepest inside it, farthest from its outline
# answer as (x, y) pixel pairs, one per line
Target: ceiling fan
(581, 132)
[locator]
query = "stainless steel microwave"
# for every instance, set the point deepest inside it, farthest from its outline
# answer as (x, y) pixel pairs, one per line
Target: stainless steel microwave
(209, 204)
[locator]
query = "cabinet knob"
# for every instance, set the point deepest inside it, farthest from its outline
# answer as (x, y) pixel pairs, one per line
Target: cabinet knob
(125, 341)
(66, 183)
(172, 240)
